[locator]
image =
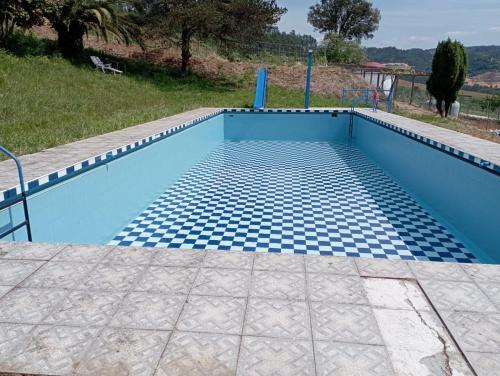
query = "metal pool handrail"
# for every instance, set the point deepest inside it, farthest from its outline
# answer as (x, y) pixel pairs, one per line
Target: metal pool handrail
(26, 221)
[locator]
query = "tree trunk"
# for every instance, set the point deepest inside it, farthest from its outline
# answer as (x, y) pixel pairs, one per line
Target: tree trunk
(447, 105)
(186, 49)
(69, 39)
(439, 105)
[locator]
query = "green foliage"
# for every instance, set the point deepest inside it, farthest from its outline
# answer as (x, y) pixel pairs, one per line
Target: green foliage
(72, 19)
(219, 20)
(491, 103)
(449, 70)
(351, 19)
(291, 38)
(21, 14)
(24, 44)
(341, 51)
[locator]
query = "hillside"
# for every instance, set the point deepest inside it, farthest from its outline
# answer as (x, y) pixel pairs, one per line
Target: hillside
(47, 101)
(482, 59)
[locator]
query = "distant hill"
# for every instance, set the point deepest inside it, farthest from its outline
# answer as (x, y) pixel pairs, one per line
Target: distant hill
(482, 59)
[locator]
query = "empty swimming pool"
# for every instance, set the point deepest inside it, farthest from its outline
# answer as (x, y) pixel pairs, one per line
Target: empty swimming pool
(330, 183)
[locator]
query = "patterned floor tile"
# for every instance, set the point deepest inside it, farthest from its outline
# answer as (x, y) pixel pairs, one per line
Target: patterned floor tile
(212, 314)
(225, 259)
(125, 352)
(336, 288)
(5, 289)
(33, 251)
(112, 277)
(278, 285)
(149, 311)
(86, 308)
(13, 272)
(344, 323)
(11, 335)
(263, 356)
(461, 296)
(474, 331)
(82, 253)
(129, 256)
(178, 257)
(199, 354)
(492, 291)
(483, 272)
(222, 282)
(279, 262)
(292, 197)
(485, 364)
(277, 318)
(53, 350)
(383, 269)
(439, 271)
(334, 265)
(29, 305)
(167, 280)
(395, 294)
(58, 274)
(347, 359)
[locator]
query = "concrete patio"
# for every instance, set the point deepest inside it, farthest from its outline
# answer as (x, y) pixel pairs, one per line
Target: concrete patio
(94, 310)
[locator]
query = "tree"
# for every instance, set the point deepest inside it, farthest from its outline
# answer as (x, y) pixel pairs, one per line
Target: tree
(21, 14)
(350, 19)
(72, 19)
(449, 71)
(223, 20)
(341, 51)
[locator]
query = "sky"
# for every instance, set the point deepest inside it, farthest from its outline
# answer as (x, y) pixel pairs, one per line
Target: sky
(416, 23)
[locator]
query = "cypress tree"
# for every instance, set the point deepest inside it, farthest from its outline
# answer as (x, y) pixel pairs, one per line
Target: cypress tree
(449, 70)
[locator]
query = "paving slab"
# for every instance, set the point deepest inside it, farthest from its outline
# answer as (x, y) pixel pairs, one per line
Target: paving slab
(89, 310)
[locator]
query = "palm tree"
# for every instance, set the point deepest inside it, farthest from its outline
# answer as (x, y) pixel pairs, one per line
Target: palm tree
(72, 19)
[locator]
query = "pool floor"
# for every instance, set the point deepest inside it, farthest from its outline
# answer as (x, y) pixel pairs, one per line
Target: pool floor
(292, 197)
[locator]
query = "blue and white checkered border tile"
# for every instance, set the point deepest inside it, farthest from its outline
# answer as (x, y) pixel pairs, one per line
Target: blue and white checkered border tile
(95, 161)
(70, 171)
(489, 166)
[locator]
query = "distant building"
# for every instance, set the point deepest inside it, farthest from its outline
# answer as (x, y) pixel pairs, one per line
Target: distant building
(403, 66)
(373, 65)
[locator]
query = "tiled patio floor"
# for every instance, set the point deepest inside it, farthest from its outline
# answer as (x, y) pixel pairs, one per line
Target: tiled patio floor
(93, 310)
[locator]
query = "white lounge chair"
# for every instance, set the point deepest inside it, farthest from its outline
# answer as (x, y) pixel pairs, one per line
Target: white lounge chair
(104, 67)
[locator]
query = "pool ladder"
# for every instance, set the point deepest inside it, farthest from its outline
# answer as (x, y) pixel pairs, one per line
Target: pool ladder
(21, 198)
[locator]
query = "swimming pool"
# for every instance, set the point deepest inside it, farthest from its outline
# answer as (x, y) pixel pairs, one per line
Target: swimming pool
(325, 182)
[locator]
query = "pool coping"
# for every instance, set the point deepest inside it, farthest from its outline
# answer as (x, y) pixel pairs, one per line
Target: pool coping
(381, 303)
(380, 118)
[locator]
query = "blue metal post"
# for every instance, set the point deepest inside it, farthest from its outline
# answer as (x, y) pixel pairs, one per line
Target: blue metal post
(308, 80)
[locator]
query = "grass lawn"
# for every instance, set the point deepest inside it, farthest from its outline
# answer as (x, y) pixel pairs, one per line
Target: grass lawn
(47, 101)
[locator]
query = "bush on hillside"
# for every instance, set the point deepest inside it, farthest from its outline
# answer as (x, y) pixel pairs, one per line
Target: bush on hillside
(342, 51)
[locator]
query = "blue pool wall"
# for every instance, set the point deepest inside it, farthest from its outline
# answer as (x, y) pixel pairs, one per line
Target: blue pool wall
(286, 126)
(460, 194)
(92, 207)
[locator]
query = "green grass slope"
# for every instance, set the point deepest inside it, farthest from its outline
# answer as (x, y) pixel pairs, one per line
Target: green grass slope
(47, 101)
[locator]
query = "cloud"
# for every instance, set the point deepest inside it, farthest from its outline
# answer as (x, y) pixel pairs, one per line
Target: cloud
(455, 34)
(416, 38)
(494, 28)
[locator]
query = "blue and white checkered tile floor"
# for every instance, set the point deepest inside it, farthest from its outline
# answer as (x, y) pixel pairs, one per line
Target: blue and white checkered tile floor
(292, 197)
